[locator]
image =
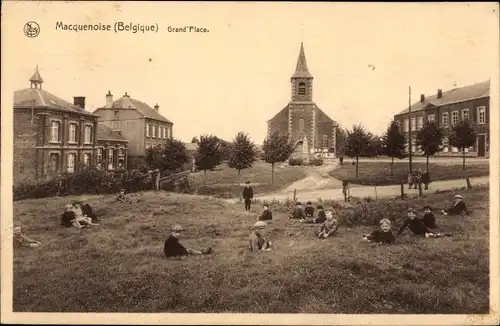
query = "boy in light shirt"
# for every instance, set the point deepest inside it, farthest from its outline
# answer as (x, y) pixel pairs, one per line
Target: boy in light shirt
(329, 227)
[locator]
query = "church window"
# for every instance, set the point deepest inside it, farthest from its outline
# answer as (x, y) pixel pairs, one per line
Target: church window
(324, 143)
(302, 88)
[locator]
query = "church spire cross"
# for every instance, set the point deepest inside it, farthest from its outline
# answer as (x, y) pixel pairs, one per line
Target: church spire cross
(301, 71)
(36, 80)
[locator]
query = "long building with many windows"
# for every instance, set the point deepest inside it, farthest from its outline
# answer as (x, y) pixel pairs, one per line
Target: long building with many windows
(471, 102)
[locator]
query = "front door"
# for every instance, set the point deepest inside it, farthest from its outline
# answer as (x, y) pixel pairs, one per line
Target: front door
(481, 145)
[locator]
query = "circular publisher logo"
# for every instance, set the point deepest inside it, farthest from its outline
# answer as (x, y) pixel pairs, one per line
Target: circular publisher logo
(31, 29)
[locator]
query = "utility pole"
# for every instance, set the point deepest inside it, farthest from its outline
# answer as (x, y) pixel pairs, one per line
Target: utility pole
(409, 127)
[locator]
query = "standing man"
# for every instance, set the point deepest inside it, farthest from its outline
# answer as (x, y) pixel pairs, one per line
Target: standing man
(247, 195)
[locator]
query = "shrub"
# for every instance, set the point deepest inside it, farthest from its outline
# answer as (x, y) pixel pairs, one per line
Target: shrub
(85, 181)
(295, 162)
(317, 161)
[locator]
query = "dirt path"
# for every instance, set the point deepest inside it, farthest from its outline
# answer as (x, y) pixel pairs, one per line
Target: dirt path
(335, 193)
(317, 178)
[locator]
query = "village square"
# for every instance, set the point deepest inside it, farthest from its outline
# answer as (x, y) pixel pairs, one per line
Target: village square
(114, 212)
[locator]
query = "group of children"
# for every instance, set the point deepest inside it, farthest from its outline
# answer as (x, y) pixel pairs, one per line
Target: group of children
(417, 177)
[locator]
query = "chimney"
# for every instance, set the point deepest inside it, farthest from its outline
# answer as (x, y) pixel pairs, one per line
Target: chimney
(79, 101)
(109, 100)
(422, 98)
(126, 101)
(157, 107)
(440, 93)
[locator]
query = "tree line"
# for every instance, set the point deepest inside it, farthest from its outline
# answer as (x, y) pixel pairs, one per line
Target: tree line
(361, 143)
(241, 152)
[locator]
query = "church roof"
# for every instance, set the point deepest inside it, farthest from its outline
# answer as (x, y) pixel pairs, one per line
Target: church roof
(301, 71)
(455, 95)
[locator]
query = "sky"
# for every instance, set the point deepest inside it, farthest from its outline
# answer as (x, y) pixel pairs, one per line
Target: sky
(237, 76)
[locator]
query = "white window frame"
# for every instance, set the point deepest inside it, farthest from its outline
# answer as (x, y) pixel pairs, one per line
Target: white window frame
(87, 140)
(406, 125)
(70, 168)
(463, 114)
(153, 133)
(447, 115)
(86, 159)
(148, 145)
(431, 118)
(446, 144)
(121, 151)
(324, 141)
(111, 154)
(57, 138)
(413, 124)
(481, 109)
(420, 123)
(148, 130)
(455, 118)
(58, 163)
(99, 157)
(74, 126)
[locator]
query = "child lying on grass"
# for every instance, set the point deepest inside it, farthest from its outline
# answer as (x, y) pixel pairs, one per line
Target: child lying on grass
(329, 227)
(123, 198)
(172, 247)
(24, 241)
(382, 235)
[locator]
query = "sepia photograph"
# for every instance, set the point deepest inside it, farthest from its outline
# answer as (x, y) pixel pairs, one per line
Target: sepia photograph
(250, 163)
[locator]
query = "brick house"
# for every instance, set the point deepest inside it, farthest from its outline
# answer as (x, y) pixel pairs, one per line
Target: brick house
(309, 128)
(142, 125)
(111, 149)
(51, 135)
(470, 102)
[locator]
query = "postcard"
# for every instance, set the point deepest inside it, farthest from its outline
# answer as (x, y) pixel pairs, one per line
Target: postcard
(253, 163)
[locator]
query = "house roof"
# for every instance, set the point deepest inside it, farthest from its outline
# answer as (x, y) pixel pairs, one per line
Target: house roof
(144, 109)
(456, 95)
(301, 70)
(104, 132)
(37, 97)
(42, 98)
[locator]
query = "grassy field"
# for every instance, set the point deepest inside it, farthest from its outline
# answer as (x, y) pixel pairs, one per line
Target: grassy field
(119, 267)
(370, 173)
(223, 180)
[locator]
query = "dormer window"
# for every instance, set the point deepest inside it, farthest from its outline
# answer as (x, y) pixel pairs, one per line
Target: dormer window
(302, 88)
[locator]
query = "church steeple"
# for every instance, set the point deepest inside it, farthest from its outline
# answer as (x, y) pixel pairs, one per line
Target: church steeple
(301, 71)
(302, 79)
(36, 80)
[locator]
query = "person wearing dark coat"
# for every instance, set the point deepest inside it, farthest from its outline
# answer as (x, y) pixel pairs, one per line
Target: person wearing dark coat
(321, 218)
(383, 234)
(418, 227)
(173, 248)
(458, 207)
(309, 210)
(429, 218)
(426, 179)
(248, 195)
(86, 209)
(266, 215)
(298, 212)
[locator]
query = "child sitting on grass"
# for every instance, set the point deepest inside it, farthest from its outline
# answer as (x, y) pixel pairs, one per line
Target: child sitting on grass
(429, 218)
(123, 198)
(417, 226)
(382, 235)
(24, 241)
(329, 227)
(73, 216)
(321, 218)
(266, 215)
(298, 213)
(458, 207)
(173, 248)
(309, 210)
(257, 242)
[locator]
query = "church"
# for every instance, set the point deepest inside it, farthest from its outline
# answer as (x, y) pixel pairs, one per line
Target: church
(311, 131)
